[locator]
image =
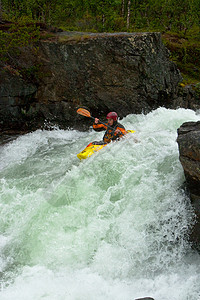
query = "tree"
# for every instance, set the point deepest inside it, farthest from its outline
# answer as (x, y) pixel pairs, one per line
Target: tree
(123, 8)
(128, 14)
(107, 15)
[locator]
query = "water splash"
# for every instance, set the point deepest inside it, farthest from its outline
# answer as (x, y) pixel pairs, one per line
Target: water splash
(114, 226)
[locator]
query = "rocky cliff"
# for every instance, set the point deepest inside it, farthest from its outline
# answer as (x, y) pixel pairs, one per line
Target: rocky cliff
(124, 72)
(189, 149)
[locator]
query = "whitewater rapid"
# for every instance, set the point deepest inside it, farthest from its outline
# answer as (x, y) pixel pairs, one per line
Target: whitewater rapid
(112, 227)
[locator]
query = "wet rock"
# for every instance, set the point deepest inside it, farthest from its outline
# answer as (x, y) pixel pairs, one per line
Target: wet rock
(189, 150)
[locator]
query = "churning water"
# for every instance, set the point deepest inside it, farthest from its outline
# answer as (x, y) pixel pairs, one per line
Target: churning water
(112, 227)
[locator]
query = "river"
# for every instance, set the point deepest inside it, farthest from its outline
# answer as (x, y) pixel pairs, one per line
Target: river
(112, 227)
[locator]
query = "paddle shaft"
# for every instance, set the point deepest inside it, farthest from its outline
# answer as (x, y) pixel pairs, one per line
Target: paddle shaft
(102, 123)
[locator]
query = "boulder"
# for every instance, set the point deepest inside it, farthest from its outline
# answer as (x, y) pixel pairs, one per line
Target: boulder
(189, 150)
(127, 73)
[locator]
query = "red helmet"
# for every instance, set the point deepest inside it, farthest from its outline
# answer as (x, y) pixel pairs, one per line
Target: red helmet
(112, 115)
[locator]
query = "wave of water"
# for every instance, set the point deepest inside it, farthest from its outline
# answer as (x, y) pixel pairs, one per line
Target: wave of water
(114, 226)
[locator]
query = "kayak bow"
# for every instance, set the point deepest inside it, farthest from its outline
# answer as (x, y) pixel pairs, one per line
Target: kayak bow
(92, 148)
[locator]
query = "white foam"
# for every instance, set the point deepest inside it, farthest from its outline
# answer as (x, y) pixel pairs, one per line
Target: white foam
(111, 227)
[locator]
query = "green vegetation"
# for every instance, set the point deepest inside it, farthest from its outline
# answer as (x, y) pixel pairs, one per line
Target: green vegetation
(108, 15)
(185, 52)
(178, 20)
(21, 33)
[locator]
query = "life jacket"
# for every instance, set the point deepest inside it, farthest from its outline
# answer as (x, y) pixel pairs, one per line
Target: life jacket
(110, 134)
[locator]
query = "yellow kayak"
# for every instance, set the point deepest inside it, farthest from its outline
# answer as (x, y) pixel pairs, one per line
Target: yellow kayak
(89, 150)
(92, 148)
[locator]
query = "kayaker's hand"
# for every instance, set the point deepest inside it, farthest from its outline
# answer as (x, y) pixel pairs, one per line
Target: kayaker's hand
(96, 120)
(117, 131)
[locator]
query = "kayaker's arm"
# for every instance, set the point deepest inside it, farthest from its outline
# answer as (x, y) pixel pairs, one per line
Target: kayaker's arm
(119, 132)
(99, 127)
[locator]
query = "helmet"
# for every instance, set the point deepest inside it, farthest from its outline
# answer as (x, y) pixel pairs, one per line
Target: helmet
(112, 115)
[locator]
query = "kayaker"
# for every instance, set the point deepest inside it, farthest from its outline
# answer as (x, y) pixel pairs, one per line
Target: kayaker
(114, 130)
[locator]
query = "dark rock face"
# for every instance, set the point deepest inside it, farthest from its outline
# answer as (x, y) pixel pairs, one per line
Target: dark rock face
(15, 94)
(123, 72)
(126, 73)
(189, 149)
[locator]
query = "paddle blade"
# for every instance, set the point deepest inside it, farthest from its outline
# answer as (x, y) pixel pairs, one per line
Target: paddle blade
(83, 112)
